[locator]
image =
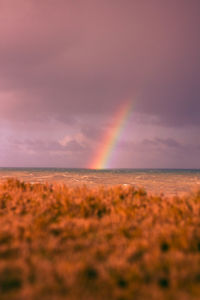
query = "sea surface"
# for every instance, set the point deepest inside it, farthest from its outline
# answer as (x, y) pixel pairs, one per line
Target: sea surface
(155, 181)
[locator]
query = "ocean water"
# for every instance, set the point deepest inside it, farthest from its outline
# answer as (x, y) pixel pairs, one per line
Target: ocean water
(156, 181)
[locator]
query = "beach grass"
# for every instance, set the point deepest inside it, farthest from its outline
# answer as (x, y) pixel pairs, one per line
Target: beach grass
(62, 242)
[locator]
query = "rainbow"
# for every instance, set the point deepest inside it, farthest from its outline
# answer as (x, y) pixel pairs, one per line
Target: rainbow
(112, 136)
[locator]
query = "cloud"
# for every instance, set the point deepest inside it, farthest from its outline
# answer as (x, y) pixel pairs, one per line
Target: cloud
(158, 142)
(66, 67)
(60, 60)
(78, 152)
(157, 153)
(38, 146)
(67, 140)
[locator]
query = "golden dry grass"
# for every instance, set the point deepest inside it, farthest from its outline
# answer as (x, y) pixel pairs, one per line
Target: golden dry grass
(58, 242)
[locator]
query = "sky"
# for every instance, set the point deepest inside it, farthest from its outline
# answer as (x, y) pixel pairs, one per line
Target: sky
(66, 68)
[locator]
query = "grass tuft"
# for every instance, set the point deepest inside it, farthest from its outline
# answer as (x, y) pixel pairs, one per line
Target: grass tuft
(61, 242)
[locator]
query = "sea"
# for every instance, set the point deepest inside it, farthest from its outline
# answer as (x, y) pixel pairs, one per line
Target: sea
(154, 181)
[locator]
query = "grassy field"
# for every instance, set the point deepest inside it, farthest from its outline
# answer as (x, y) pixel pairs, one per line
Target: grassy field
(58, 242)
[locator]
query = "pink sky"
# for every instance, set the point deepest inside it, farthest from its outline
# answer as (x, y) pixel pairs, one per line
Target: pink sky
(66, 67)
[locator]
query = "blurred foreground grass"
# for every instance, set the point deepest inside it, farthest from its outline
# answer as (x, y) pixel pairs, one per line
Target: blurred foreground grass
(58, 242)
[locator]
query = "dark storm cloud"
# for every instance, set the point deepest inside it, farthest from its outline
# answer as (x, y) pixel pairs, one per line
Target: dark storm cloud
(63, 59)
(66, 67)
(160, 153)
